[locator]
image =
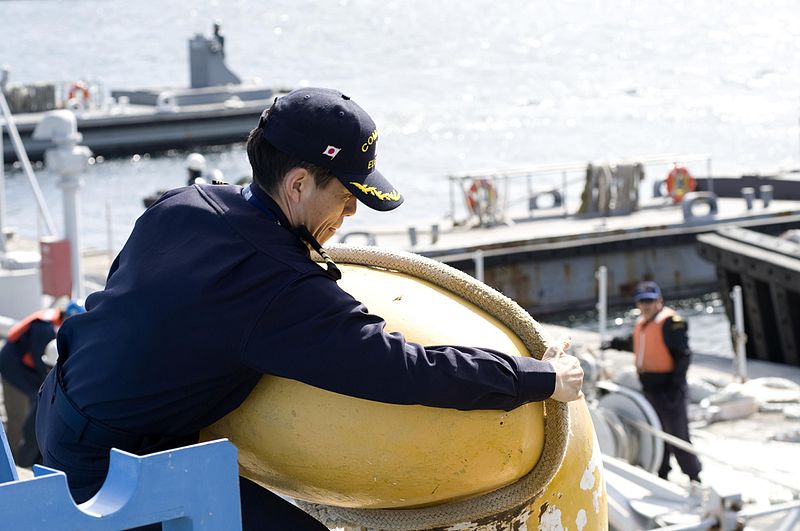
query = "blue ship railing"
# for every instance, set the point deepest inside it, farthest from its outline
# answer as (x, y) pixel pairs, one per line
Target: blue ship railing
(190, 488)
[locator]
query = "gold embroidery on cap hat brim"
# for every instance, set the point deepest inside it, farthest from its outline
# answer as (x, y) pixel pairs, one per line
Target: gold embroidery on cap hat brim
(394, 195)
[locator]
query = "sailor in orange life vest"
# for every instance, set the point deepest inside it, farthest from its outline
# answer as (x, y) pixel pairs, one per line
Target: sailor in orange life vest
(22, 366)
(661, 346)
(150, 363)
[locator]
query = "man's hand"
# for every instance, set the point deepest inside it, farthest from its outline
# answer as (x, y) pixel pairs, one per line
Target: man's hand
(569, 373)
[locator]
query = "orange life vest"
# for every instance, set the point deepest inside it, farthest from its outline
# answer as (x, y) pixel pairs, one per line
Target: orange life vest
(651, 352)
(18, 330)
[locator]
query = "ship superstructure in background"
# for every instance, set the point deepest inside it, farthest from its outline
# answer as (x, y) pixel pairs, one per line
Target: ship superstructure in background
(218, 108)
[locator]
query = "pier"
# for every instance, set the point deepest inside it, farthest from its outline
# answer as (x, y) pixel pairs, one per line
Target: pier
(545, 257)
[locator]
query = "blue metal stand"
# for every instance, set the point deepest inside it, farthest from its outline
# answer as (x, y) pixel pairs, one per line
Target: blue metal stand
(192, 488)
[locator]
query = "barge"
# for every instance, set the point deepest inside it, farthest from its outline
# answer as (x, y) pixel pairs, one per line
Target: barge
(545, 257)
(217, 108)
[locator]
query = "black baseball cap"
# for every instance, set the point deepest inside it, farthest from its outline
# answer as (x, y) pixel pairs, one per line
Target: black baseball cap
(326, 128)
(647, 291)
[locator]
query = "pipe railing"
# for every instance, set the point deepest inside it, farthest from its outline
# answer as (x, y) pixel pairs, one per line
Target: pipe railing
(739, 336)
(602, 307)
(520, 179)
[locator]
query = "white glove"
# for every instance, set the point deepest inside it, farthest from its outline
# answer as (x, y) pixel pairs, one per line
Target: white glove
(569, 373)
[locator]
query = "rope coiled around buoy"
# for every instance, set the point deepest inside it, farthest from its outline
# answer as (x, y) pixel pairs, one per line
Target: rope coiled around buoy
(505, 499)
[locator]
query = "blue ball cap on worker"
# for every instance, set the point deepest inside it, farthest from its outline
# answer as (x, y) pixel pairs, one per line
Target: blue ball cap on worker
(647, 291)
(74, 307)
(328, 129)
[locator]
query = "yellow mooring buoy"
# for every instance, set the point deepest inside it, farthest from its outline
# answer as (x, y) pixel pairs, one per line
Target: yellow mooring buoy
(345, 452)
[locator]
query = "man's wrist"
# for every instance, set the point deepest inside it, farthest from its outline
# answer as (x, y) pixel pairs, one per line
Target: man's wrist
(537, 379)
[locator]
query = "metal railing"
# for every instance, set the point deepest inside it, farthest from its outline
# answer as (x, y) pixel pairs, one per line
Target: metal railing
(519, 186)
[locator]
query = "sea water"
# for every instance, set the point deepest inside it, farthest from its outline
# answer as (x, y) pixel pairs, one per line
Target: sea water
(454, 86)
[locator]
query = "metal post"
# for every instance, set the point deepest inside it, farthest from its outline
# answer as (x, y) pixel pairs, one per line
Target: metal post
(70, 185)
(69, 160)
(477, 256)
(765, 191)
(749, 195)
(602, 305)
(710, 177)
(564, 192)
(412, 236)
(452, 200)
(529, 190)
(503, 217)
(740, 360)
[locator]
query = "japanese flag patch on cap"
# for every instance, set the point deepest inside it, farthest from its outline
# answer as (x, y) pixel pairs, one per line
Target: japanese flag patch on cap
(332, 151)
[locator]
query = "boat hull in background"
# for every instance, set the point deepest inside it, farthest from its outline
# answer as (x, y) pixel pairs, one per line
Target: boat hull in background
(144, 129)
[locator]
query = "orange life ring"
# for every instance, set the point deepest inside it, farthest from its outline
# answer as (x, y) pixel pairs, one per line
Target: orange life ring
(679, 183)
(79, 87)
(481, 196)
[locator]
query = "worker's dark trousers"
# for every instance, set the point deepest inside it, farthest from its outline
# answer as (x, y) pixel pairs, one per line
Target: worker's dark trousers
(671, 407)
(86, 467)
(27, 380)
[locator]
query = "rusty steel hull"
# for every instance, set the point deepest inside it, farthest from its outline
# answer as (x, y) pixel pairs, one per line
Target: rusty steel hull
(557, 276)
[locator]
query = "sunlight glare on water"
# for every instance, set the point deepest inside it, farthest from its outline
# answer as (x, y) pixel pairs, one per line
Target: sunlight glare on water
(454, 86)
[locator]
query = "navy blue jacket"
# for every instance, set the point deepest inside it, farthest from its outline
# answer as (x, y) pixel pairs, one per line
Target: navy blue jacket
(210, 292)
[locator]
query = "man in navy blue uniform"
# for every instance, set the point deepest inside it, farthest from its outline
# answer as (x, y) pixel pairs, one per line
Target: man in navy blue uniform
(216, 287)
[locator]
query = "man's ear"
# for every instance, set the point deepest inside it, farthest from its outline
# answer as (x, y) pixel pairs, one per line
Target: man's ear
(296, 184)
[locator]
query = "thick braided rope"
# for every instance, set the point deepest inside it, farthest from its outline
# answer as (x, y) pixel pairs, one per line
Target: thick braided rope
(505, 499)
